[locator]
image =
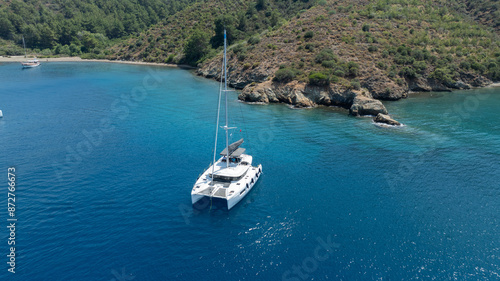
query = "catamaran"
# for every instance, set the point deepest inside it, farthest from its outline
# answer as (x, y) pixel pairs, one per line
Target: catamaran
(29, 63)
(231, 177)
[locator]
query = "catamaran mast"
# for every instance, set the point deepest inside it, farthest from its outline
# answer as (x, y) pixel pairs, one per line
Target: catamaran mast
(225, 95)
(217, 124)
(218, 113)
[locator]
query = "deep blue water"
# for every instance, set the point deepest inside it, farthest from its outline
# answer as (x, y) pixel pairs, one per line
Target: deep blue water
(106, 155)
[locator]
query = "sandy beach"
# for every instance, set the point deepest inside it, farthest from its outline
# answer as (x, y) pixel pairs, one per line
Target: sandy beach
(78, 59)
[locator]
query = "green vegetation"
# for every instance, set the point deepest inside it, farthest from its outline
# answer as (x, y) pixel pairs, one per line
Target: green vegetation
(486, 12)
(441, 43)
(355, 84)
(76, 26)
(328, 41)
(285, 75)
(246, 23)
(319, 79)
(196, 47)
(309, 35)
(334, 66)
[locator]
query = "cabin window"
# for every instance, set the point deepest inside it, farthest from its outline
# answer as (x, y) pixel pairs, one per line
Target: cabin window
(227, 179)
(234, 160)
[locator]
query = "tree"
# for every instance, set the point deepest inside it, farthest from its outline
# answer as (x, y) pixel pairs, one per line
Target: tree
(116, 30)
(261, 5)
(274, 18)
(221, 23)
(6, 28)
(196, 47)
(88, 40)
(242, 25)
(47, 37)
(31, 35)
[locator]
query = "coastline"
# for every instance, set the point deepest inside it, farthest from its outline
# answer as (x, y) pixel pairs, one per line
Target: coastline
(78, 59)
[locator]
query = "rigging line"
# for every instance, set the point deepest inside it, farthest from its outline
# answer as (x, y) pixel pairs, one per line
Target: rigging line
(216, 133)
(244, 124)
(217, 122)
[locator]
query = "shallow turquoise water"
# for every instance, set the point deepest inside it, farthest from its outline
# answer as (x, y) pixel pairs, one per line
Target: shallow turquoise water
(106, 155)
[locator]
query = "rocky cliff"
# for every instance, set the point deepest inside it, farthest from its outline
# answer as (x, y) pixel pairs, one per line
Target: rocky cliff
(257, 85)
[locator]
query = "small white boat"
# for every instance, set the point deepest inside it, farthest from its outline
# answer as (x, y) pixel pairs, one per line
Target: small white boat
(1, 114)
(29, 63)
(231, 177)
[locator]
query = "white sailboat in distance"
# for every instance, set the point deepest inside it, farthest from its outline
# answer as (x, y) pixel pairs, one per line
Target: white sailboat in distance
(29, 63)
(232, 176)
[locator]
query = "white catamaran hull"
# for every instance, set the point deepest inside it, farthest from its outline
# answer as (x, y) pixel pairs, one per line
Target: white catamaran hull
(236, 199)
(231, 192)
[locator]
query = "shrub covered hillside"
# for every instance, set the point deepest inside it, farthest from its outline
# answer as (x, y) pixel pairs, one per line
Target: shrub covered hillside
(73, 27)
(195, 34)
(486, 12)
(386, 46)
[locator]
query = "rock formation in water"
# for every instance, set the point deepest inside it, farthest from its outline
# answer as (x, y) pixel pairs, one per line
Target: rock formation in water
(386, 119)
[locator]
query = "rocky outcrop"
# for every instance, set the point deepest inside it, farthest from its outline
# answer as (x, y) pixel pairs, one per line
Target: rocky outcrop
(475, 80)
(466, 81)
(240, 76)
(365, 105)
(383, 88)
(257, 86)
(269, 91)
(386, 119)
(419, 85)
(299, 95)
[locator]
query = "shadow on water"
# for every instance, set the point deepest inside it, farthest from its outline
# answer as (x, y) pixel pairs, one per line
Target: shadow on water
(207, 205)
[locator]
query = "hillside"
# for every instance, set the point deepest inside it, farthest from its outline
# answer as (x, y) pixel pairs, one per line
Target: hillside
(484, 11)
(386, 47)
(318, 52)
(166, 41)
(78, 26)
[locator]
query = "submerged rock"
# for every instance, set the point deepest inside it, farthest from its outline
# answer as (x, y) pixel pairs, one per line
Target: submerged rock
(386, 119)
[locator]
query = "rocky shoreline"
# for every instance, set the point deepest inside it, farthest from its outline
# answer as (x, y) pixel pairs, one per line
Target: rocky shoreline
(257, 86)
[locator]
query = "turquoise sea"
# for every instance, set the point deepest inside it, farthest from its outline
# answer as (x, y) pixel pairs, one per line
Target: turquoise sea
(106, 155)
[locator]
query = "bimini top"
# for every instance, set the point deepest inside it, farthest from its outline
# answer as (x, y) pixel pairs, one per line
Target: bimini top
(234, 149)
